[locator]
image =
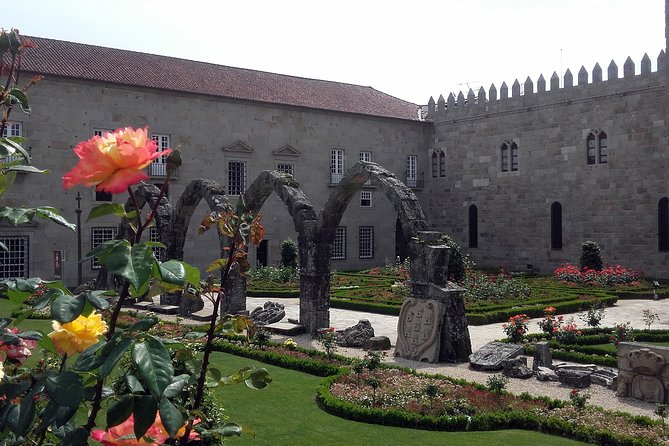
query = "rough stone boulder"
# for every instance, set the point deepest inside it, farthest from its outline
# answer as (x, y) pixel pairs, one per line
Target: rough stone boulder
(357, 335)
(545, 374)
(542, 356)
(377, 343)
(574, 378)
(491, 355)
(516, 368)
(269, 313)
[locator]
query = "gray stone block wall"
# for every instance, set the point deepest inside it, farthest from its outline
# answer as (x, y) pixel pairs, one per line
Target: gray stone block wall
(614, 204)
(67, 111)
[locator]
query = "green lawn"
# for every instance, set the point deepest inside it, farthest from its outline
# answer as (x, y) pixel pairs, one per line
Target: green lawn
(285, 413)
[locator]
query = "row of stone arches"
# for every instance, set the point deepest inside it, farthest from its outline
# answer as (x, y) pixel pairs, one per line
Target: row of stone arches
(316, 231)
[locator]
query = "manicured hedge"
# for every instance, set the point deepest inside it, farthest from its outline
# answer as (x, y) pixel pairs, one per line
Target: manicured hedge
(479, 422)
(273, 293)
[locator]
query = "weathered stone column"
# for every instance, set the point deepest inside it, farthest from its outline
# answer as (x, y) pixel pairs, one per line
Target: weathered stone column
(314, 279)
(432, 324)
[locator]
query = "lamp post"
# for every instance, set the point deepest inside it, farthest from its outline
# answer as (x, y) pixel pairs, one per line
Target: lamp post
(79, 273)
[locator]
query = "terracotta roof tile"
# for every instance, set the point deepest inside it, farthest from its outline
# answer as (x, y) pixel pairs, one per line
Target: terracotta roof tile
(89, 62)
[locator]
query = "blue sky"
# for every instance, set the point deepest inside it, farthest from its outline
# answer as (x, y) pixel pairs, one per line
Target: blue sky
(412, 50)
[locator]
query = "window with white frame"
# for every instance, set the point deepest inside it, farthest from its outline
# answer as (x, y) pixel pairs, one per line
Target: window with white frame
(12, 129)
(412, 170)
(366, 156)
(154, 236)
(366, 242)
(236, 177)
(336, 166)
(597, 146)
(158, 167)
(339, 244)
(366, 198)
(99, 235)
(14, 261)
(286, 168)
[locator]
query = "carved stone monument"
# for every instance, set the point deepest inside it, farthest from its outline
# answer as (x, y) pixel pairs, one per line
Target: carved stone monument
(643, 372)
(432, 324)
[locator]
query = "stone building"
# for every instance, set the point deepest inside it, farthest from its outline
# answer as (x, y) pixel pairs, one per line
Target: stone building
(520, 178)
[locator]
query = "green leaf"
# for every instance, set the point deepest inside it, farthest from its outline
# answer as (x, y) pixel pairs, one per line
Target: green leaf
(143, 324)
(154, 365)
(25, 169)
(106, 209)
(45, 298)
(192, 275)
(17, 216)
(47, 344)
(133, 384)
(215, 373)
(64, 414)
(6, 181)
(51, 213)
(67, 308)
(90, 359)
(171, 417)
(115, 356)
(66, 388)
(178, 384)
(259, 379)
(145, 411)
(133, 263)
(32, 335)
(105, 248)
(120, 411)
(173, 272)
(9, 146)
(76, 437)
(26, 414)
(19, 97)
(94, 298)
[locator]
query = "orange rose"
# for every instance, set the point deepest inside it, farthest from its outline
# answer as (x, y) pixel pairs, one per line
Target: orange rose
(123, 434)
(114, 161)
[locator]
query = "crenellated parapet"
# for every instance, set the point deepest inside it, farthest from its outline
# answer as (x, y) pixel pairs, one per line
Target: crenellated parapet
(523, 95)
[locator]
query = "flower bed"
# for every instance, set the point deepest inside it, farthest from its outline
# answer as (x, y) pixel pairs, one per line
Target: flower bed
(611, 275)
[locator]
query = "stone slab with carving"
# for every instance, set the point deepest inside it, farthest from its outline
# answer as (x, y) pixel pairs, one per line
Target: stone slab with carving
(542, 356)
(491, 355)
(419, 330)
(643, 372)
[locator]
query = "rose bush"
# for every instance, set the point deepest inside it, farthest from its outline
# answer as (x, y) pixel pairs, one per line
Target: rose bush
(151, 390)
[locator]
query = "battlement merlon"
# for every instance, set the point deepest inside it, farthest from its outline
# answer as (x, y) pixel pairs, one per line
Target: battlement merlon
(525, 94)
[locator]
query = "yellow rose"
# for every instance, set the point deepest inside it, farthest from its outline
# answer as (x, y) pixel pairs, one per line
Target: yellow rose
(78, 335)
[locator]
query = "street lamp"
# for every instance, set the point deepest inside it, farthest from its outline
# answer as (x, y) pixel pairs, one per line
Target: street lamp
(79, 272)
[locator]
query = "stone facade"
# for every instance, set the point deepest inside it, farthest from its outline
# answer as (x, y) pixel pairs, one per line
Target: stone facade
(503, 209)
(613, 203)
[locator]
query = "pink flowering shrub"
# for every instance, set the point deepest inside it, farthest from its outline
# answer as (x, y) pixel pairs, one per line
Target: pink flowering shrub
(16, 353)
(611, 275)
(516, 328)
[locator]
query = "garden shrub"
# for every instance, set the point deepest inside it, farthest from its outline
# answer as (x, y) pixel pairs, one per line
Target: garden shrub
(289, 253)
(591, 256)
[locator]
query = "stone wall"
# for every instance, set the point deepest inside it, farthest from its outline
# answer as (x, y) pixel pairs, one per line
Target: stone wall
(614, 204)
(68, 111)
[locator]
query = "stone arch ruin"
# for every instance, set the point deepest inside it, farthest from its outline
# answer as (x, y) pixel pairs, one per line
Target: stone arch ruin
(315, 231)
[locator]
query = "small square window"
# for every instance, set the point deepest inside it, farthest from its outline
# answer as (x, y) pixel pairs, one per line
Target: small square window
(14, 260)
(366, 242)
(103, 195)
(339, 244)
(286, 168)
(366, 199)
(99, 235)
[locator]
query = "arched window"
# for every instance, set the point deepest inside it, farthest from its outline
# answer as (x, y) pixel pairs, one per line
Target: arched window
(442, 163)
(434, 164)
(603, 148)
(505, 157)
(556, 226)
(663, 224)
(473, 226)
(592, 151)
(514, 156)
(597, 147)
